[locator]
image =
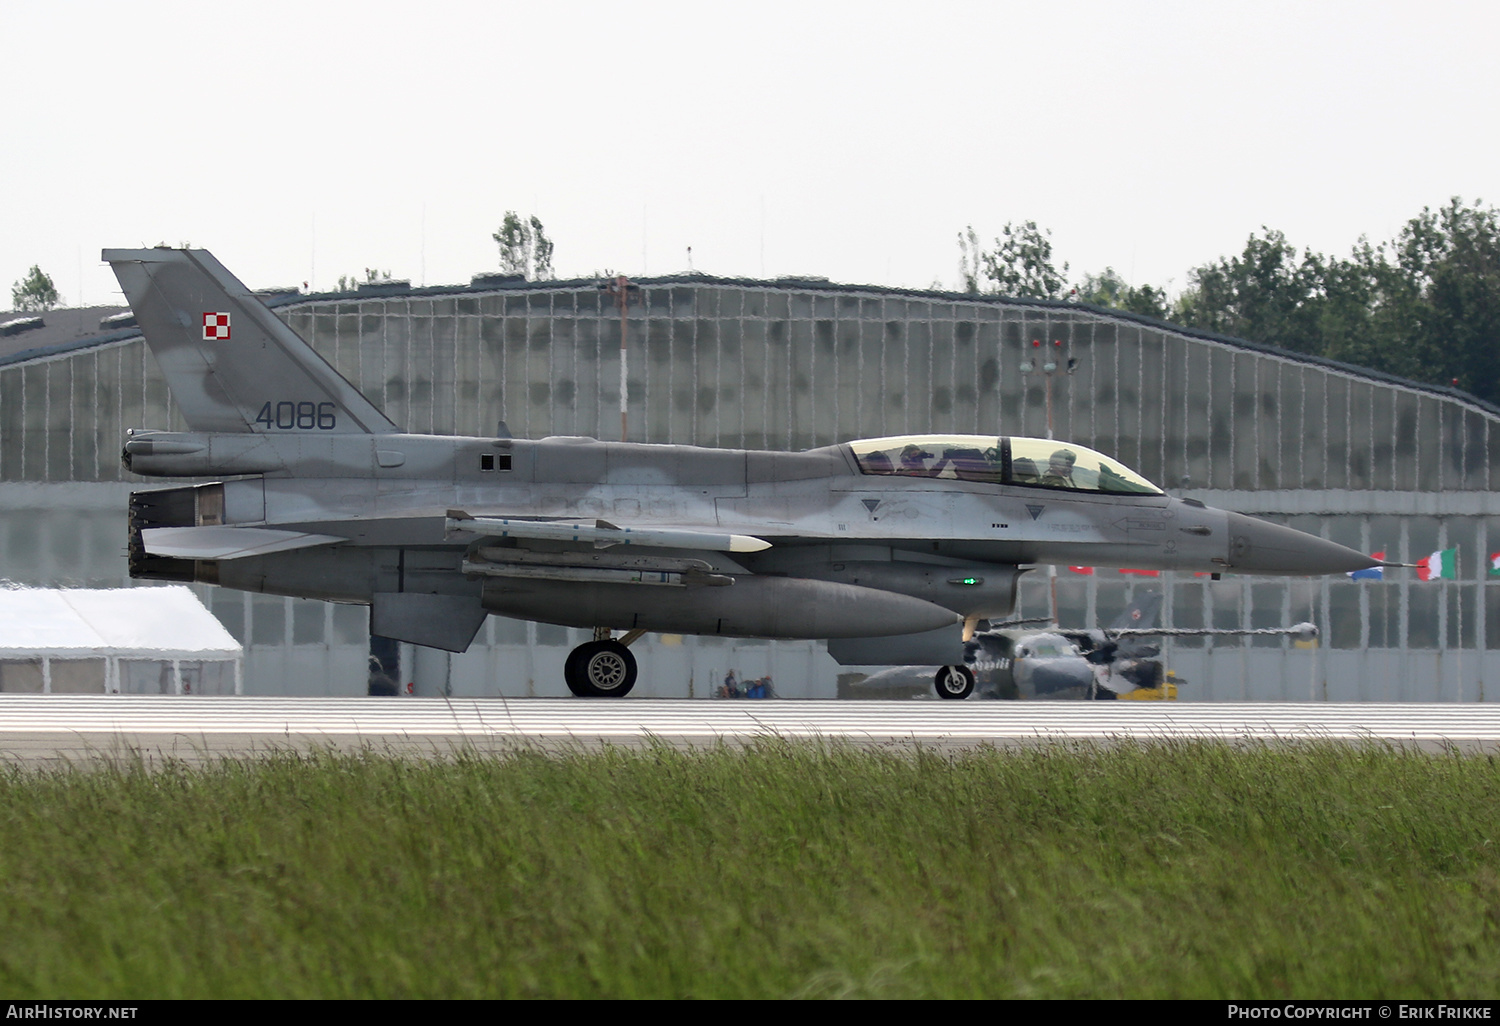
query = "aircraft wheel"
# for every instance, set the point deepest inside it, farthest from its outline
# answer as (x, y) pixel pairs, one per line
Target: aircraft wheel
(600, 669)
(573, 676)
(954, 682)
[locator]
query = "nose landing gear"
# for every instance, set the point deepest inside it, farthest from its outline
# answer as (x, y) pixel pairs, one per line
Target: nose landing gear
(953, 682)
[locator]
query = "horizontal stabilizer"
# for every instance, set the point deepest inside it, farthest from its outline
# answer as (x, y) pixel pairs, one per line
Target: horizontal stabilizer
(227, 542)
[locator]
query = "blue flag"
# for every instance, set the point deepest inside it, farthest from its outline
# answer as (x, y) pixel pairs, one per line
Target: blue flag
(1374, 573)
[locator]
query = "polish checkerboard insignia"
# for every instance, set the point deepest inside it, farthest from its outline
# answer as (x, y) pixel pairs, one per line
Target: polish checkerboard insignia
(215, 327)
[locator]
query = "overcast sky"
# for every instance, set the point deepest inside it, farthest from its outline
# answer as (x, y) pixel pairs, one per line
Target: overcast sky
(303, 141)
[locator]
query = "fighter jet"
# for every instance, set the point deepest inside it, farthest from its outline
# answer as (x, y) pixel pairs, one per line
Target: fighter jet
(892, 548)
(1114, 662)
(1057, 663)
(1037, 659)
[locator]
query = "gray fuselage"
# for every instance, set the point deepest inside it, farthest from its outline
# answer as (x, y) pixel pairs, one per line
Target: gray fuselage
(851, 554)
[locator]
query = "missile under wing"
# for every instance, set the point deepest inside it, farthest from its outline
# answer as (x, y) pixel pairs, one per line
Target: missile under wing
(891, 548)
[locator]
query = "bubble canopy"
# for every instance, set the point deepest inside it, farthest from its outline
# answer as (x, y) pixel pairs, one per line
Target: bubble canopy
(1028, 462)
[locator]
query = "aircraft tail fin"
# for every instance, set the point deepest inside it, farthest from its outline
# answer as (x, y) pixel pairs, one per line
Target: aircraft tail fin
(233, 365)
(1140, 614)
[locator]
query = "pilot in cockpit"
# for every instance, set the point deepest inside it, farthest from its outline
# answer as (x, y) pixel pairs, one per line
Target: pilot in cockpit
(1059, 472)
(914, 461)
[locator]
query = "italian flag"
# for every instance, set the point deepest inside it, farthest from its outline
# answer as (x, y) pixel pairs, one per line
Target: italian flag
(1442, 564)
(1495, 563)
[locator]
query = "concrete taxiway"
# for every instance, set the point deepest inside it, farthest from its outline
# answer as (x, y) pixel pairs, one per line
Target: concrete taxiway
(41, 730)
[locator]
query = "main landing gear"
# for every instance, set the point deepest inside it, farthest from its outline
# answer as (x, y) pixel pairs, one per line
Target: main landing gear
(602, 668)
(954, 682)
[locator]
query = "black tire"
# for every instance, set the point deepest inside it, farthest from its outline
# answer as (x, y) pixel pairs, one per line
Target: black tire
(954, 682)
(573, 676)
(600, 669)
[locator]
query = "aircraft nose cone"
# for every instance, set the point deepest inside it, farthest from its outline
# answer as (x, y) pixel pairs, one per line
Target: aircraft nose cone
(1258, 547)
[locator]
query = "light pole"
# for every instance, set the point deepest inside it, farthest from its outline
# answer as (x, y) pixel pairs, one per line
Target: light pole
(1050, 365)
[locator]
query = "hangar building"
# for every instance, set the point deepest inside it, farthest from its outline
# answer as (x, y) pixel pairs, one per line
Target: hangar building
(1374, 462)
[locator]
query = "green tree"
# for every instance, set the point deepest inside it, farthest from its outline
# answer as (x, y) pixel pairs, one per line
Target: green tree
(1442, 298)
(524, 247)
(970, 271)
(1340, 326)
(1266, 294)
(34, 293)
(1019, 265)
(1108, 288)
(350, 282)
(1424, 306)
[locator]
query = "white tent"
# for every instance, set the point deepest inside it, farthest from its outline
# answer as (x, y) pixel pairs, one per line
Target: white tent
(132, 640)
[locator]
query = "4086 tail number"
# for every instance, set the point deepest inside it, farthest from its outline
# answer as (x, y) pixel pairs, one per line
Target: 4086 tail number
(290, 416)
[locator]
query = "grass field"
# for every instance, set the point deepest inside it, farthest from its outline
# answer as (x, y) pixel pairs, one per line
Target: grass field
(1191, 870)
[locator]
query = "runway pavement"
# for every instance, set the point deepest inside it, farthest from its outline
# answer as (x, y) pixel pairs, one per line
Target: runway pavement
(55, 729)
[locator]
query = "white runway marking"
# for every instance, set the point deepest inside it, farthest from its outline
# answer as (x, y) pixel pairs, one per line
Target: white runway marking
(50, 727)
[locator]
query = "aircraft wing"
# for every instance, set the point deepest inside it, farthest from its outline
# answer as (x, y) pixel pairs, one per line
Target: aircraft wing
(1301, 631)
